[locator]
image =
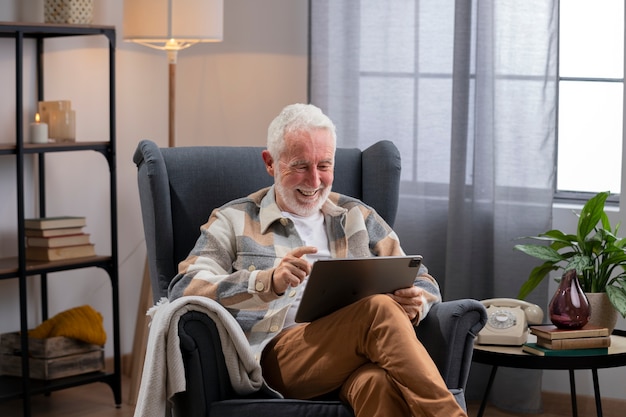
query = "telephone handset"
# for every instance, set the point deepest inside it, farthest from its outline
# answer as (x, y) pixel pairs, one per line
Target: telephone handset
(508, 320)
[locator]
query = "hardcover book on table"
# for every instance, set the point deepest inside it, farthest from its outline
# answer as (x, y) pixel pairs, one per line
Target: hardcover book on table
(535, 349)
(551, 332)
(576, 343)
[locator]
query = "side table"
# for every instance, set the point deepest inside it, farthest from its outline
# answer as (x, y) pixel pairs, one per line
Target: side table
(514, 357)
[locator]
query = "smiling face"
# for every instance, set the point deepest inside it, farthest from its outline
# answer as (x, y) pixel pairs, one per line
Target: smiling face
(303, 175)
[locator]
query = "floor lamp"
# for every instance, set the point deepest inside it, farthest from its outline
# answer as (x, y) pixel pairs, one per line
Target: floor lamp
(167, 25)
(173, 25)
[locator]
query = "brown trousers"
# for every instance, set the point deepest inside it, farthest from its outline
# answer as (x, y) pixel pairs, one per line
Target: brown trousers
(369, 352)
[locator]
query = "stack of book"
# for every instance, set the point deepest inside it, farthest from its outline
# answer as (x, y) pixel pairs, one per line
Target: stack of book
(552, 341)
(56, 238)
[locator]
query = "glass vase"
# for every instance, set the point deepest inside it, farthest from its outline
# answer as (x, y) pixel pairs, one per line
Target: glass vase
(569, 307)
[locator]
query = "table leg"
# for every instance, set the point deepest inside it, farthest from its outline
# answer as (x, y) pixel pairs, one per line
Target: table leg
(596, 392)
(572, 391)
(483, 404)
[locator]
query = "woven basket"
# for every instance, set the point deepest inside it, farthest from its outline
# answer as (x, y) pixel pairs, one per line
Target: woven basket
(68, 11)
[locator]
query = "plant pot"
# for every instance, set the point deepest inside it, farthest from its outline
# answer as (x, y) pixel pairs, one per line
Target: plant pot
(603, 313)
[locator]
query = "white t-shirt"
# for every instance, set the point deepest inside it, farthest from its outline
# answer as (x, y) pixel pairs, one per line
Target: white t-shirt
(313, 233)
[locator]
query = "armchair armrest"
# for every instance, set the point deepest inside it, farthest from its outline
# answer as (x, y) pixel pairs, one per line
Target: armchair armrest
(209, 391)
(448, 333)
(205, 369)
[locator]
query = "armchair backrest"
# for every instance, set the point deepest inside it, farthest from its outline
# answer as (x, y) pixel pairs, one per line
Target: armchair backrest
(179, 187)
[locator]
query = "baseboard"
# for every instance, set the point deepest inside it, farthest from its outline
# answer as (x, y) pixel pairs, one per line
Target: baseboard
(561, 403)
(127, 364)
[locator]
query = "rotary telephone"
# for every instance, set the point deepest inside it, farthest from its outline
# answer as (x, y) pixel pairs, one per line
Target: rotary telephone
(507, 321)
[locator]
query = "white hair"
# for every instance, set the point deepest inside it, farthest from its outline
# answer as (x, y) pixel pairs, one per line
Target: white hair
(294, 118)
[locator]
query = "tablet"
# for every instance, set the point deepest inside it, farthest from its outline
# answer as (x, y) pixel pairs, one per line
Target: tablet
(336, 283)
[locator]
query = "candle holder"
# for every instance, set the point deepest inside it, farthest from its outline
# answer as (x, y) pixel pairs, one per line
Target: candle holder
(61, 119)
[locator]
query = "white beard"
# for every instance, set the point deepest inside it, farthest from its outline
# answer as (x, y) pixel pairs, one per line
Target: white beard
(296, 206)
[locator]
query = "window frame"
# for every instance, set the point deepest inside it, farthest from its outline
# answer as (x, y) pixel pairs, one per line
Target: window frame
(580, 197)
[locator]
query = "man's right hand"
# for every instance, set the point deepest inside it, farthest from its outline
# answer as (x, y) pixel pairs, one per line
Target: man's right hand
(292, 269)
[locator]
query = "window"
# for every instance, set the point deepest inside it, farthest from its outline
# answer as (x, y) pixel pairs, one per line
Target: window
(591, 96)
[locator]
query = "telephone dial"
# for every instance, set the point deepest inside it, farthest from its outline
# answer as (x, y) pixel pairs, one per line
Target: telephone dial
(507, 321)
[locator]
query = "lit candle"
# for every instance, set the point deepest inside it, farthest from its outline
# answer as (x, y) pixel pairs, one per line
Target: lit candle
(38, 131)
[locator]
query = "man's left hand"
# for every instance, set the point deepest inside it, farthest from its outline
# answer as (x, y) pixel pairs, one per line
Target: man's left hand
(410, 299)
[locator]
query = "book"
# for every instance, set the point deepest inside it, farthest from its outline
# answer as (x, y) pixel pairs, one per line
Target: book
(576, 343)
(535, 349)
(551, 332)
(57, 241)
(62, 231)
(54, 222)
(63, 252)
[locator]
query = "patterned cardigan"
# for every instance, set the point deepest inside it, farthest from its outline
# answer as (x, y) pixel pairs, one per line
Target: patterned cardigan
(238, 248)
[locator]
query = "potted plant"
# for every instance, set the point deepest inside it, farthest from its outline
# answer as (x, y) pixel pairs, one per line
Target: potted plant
(595, 251)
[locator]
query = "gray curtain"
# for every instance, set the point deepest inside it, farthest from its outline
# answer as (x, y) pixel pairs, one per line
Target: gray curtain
(467, 91)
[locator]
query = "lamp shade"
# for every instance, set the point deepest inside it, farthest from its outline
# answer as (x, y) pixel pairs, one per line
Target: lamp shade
(155, 22)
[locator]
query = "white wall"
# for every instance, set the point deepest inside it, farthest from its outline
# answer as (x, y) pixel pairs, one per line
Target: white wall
(227, 94)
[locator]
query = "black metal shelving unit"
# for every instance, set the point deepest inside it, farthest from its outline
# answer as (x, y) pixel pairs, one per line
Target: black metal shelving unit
(18, 267)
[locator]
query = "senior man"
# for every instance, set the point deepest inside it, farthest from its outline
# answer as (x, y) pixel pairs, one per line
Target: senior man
(254, 256)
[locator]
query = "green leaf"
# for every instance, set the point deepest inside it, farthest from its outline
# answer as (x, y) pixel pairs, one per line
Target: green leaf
(591, 214)
(615, 258)
(554, 236)
(606, 224)
(619, 243)
(545, 253)
(579, 263)
(617, 296)
(536, 276)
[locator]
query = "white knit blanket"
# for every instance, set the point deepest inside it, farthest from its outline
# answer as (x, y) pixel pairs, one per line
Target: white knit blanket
(163, 371)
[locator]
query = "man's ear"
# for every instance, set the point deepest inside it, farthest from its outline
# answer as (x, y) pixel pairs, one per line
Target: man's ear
(269, 162)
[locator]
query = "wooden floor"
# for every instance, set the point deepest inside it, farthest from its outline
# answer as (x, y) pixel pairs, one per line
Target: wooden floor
(96, 400)
(491, 411)
(558, 405)
(92, 400)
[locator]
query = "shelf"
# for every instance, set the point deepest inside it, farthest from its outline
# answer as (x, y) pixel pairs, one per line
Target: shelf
(49, 30)
(11, 386)
(9, 266)
(16, 267)
(35, 148)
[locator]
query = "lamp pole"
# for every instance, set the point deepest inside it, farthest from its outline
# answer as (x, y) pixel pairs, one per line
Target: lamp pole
(172, 54)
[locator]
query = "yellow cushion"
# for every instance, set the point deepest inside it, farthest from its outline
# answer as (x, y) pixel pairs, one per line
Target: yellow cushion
(82, 323)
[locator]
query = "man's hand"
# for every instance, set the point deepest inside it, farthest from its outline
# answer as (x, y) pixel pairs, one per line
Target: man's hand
(292, 269)
(410, 299)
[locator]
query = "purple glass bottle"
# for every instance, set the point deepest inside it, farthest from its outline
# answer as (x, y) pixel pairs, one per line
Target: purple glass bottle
(569, 307)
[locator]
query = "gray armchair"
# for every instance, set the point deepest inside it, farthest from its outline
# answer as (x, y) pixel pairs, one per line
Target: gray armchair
(179, 187)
